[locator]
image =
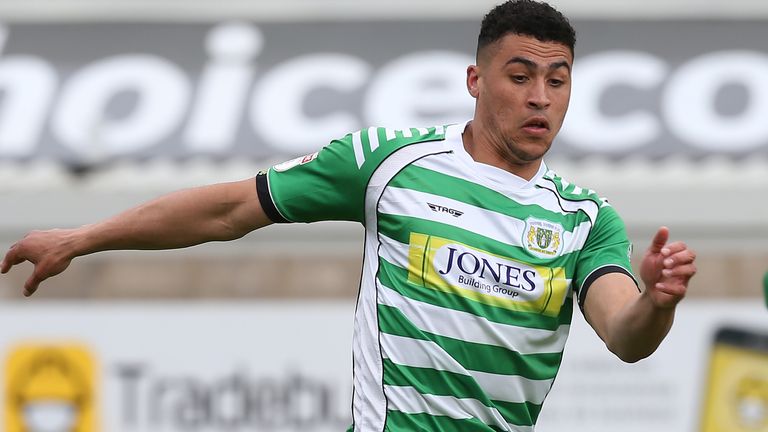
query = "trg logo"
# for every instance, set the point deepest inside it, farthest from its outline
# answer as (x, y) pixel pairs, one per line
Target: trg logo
(441, 209)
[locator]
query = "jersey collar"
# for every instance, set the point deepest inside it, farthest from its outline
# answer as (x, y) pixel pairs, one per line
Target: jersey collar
(497, 177)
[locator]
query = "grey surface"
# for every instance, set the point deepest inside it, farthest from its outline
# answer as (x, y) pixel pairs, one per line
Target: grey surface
(70, 48)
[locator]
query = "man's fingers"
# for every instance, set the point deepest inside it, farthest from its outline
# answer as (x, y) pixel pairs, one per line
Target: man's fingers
(659, 240)
(673, 291)
(8, 260)
(684, 256)
(5, 265)
(673, 248)
(11, 259)
(681, 271)
(30, 286)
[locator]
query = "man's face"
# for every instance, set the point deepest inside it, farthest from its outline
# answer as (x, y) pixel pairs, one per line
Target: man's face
(522, 86)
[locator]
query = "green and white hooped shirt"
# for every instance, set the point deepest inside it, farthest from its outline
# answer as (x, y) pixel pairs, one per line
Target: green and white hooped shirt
(468, 278)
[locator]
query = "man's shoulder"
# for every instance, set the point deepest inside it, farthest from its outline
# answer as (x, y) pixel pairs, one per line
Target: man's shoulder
(370, 146)
(575, 197)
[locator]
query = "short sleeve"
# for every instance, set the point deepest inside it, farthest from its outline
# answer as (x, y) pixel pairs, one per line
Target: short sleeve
(327, 185)
(607, 250)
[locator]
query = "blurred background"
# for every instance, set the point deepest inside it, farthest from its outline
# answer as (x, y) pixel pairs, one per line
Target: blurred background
(107, 103)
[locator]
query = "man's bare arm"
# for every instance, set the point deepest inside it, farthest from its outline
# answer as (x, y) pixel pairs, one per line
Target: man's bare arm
(219, 212)
(633, 324)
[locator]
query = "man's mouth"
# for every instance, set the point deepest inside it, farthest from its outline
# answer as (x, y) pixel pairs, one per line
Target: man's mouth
(536, 125)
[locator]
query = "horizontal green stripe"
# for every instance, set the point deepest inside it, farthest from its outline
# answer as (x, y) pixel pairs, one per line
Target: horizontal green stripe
(400, 228)
(402, 422)
(396, 278)
(434, 382)
(392, 321)
(436, 183)
(471, 355)
(518, 413)
(443, 383)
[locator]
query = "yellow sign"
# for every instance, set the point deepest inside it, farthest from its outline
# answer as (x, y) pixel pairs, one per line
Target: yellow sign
(453, 267)
(737, 397)
(50, 388)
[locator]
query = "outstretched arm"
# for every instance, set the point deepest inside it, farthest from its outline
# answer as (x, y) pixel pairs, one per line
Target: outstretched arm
(633, 324)
(224, 211)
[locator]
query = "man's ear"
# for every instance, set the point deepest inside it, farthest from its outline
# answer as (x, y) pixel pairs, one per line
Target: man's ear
(472, 80)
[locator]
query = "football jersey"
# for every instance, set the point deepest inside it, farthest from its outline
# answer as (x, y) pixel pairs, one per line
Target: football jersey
(468, 279)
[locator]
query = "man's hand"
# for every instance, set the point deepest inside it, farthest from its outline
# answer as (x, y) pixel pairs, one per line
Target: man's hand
(46, 250)
(666, 270)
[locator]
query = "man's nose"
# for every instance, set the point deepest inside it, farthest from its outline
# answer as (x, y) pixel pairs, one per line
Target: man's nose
(538, 97)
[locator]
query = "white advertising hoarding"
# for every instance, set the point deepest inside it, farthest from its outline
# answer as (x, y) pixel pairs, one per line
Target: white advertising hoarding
(286, 366)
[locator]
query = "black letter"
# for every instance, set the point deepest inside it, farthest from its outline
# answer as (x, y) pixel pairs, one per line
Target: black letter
(487, 265)
(461, 267)
(130, 373)
(529, 280)
(450, 262)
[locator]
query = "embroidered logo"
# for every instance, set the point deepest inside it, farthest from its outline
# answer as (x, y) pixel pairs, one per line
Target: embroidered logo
(542, 238)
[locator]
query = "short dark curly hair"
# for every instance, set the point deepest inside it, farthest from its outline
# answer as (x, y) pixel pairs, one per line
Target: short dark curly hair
(526, 18)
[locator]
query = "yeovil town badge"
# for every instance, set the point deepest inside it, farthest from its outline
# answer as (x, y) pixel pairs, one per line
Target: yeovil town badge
(542, 238)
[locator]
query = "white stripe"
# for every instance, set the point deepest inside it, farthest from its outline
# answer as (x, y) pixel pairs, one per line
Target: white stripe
(544, 199)
(513, 388)
(408, 400)
(471, 328)
(426, 354)
(373, 138)
(500, 227)
(369, 404)
(422, 131)
(577, 239)
(407, 202)
(357, 146)
(418, 353)
(407, 133)
(451, 168)
(390, 134)
(393, 251)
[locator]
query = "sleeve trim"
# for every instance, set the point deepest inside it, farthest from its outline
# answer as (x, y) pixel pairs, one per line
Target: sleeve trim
(596, 273)
(265, 198)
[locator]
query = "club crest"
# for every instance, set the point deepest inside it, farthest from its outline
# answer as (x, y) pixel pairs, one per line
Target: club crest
(543, 239)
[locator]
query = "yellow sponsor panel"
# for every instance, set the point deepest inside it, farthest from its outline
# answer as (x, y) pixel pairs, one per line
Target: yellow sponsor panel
(50, 388)
(737, 395)
(545, 296)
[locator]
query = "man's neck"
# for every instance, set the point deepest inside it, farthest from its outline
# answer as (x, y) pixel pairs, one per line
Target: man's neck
(481, 150)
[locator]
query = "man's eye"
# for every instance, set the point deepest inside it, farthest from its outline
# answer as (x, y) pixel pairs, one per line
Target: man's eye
(556, 82)
(519, 78)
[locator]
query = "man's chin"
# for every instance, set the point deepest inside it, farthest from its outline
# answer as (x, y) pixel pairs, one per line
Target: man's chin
(530, 152)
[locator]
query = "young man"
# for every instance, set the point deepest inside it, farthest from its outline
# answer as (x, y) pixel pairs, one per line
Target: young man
(474, 248)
